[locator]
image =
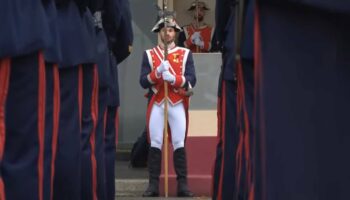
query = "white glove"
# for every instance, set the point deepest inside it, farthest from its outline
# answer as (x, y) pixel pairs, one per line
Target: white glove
(195, 36)
(164, 66)
(199, 42)
(167, 76)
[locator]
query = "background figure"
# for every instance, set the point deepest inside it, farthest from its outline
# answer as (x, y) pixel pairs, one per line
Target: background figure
(178, 70)
(197, 36)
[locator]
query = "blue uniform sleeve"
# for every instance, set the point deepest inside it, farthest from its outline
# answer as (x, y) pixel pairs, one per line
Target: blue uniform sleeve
(181, 39)
(145, 70)
(190, 72)
(111, 18)
(214, 43)
(223, 10)
(123, 37)
(248, 32)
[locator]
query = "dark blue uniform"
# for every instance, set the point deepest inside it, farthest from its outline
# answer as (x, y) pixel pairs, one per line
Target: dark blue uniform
(78, 78)
(22, 108)
(120, 37)
(52, 56)
(233, 164)
(303, 78)
(93, 129)
(224, 167)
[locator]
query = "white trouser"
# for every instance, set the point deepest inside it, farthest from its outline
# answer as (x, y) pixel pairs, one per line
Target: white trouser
(177, 122)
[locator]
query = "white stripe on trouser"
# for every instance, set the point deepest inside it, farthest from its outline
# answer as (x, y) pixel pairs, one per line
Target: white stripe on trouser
(177, 122)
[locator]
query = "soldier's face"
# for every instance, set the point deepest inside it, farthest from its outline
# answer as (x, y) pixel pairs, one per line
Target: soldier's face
(167, 35)
(199, 13)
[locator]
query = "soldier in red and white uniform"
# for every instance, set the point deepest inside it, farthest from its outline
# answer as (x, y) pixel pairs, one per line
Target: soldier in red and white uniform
(197, 36)
(178, 70)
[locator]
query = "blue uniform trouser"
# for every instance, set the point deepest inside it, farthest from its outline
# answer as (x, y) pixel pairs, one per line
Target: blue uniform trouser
(51, 126)
(110, 149)
(22, 163)
(88, 132)
(68, 158)
(111, 131)
(100, 143)
(304, 100)
(224, 176)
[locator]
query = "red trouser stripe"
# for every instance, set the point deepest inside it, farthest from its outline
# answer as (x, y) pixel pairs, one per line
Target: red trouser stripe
(94, 115)
(80, 92)
(218, 115)
(56, 114)
(223, 122)
(259, 109)
(41, 122)
(4, 84)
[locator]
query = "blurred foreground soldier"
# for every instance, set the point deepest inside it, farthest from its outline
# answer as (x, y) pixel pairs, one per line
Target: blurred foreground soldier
(93, 179)
(303, 71)
(118, 28)
(233, 166)
(198, 35)
(22, 98)
(78, 91)
(178, 70)
(52, 56)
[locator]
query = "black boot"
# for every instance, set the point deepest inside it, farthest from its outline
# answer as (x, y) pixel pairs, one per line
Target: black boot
(154, 166)
(180, 164)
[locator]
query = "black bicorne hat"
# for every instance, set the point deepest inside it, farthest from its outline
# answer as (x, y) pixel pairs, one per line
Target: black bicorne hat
(169, 18)
(170, 22)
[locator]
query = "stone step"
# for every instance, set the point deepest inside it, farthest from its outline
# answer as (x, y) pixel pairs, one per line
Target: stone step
(130, 187)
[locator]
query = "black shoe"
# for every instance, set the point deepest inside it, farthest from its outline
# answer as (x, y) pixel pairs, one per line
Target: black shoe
(150, 193)
(185, 193)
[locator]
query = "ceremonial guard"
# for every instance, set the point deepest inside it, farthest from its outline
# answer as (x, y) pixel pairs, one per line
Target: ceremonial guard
(78, 87)
(232, 178)
(22, 98)
(197, 36)
(120, 39)
(112, 23)
(49, 89)
(178, 73)
(52, 56)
